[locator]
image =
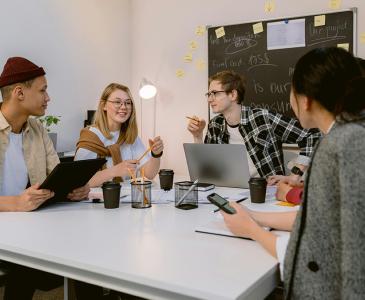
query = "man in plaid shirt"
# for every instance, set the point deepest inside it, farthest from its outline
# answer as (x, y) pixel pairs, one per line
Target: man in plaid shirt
(261, 131)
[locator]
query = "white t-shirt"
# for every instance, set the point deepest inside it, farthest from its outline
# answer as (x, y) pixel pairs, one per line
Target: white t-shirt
(282, 242)
(15, 171)
(235, 137)
(127, 151)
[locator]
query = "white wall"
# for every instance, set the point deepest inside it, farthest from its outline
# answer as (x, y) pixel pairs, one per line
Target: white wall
(161, 31)
(83, 45)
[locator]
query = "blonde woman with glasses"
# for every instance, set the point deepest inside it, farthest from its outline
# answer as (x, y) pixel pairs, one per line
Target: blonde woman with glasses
(114, 135)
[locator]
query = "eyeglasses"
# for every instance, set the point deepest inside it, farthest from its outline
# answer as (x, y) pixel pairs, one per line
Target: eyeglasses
(118, 103)
(213, 94)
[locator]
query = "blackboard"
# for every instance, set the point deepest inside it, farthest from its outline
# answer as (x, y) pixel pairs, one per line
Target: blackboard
(268, 72)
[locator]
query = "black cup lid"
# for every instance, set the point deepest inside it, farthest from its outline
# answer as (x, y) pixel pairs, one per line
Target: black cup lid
(257, 179)
(166, 171)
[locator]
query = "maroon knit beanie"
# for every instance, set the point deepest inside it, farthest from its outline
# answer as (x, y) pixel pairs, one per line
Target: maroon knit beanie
(19, 69)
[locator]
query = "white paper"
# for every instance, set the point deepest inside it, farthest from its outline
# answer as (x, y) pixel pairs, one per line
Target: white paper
(286, 34)
(158, 196)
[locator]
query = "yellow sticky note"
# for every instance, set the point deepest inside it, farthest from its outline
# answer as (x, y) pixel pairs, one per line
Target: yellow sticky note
(319, 20)
(345, 46)
(362, 38)
(193, 45)
(200, 30)
(257, 28)
(188, 57)
(269, 6)
(219, 32)
(180, 73)
(335, 4)
(200, 64)
(283, 203)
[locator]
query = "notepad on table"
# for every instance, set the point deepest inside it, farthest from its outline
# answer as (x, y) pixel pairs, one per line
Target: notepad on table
(217, 226)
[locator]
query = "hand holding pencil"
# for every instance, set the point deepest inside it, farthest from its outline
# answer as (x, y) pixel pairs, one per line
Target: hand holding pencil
(156, 145)
(122, 169)
(196, 127)
(156, 148)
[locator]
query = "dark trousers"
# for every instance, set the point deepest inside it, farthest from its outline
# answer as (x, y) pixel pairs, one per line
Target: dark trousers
(21, 282)
(87, 291)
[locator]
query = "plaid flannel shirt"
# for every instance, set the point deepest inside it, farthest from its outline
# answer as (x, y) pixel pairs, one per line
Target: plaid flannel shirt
(263, 133)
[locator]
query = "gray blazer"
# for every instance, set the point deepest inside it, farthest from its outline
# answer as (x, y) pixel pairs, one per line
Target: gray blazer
(325, 258)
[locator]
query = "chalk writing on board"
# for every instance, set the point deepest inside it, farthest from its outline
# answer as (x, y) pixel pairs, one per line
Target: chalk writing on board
(281, 106)
(239, 45)
(324, 34)
(268, 72)
(236, 43)
(259, 60)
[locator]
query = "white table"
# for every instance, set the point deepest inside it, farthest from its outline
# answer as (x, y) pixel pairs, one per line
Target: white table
(153, 253)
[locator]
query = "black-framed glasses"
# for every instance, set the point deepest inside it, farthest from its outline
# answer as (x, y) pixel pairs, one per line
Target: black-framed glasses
(213, 93)
(128, 103)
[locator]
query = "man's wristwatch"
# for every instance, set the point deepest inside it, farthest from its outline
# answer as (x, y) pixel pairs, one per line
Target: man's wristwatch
(156, 155)
(295, 170)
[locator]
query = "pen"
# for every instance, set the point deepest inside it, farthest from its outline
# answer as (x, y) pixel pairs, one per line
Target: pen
(238, 201)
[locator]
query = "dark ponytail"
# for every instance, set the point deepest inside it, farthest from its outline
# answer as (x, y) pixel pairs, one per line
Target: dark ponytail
(332, 77)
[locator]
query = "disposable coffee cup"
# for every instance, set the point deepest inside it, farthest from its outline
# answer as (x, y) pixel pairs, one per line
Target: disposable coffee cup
(111, 194)
(166, 179)
(257, 189)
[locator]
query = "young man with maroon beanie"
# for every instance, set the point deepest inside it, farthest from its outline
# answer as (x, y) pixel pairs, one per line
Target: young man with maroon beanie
(27, 156)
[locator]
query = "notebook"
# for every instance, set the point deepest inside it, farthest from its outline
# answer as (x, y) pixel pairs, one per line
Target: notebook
(218, 227)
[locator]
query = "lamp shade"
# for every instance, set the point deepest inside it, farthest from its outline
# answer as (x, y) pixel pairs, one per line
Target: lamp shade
(147, 90)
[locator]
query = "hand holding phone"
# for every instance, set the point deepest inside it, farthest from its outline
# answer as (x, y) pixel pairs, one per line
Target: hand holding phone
(221, 203)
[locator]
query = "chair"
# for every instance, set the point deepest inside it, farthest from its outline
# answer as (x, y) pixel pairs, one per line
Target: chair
(3, 273)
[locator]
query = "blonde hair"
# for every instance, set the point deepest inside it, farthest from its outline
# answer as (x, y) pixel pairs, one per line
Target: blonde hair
(129, 130)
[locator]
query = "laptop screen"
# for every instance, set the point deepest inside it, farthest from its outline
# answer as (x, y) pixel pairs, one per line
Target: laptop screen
(220, 164)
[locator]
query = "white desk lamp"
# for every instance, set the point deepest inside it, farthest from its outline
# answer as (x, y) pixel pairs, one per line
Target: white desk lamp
(148, 90)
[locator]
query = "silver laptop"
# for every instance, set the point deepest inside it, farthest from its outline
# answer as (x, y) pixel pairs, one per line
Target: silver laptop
(220, 164)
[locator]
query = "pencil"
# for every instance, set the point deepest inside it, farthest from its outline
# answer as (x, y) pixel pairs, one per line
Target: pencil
(133, 177)
(238, 201)
(190, 118)
(144, 154)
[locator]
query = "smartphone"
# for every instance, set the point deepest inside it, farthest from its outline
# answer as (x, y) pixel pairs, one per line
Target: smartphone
(221, 203)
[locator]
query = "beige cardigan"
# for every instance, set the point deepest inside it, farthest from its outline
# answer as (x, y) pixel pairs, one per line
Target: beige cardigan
(39, 154)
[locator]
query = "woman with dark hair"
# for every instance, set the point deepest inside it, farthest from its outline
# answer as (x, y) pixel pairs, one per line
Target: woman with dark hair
(324, 258)
(289, 188)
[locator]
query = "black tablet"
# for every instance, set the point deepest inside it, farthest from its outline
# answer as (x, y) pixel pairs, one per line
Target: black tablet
(67, 176)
